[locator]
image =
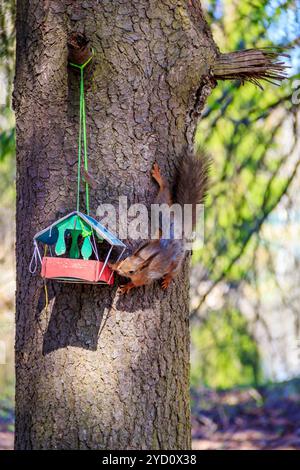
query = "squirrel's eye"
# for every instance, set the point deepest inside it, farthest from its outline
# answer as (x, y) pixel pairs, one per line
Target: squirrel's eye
(130, 272)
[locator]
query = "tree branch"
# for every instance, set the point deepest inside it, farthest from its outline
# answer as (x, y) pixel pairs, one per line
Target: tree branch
(251, 65)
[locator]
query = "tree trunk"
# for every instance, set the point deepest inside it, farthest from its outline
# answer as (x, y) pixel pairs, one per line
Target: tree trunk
(96, 370)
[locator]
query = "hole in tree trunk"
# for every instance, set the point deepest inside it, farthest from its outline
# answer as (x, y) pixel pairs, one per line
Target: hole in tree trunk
(79, 48)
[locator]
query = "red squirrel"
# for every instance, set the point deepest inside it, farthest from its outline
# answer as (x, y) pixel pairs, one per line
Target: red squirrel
(162, 258)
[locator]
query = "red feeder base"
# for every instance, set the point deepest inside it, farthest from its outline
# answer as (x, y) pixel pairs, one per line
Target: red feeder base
(77, 270)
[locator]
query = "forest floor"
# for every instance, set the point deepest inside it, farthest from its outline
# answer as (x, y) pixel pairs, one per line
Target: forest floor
(264, 418)
(6, 424)
(267, 418)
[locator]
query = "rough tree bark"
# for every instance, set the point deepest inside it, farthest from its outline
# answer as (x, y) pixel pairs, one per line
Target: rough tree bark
(99, 371)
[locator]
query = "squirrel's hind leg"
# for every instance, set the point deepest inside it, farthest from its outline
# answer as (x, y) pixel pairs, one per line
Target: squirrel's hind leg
(166, 280)
(156, 174)
(164, 194)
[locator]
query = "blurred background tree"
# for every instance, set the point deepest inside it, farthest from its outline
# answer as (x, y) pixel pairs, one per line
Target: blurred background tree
(245, 282)
(7, 211)
(253, 137)
(7, 63)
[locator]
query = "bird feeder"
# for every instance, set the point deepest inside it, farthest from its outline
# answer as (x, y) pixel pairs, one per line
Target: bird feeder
(72, 241)
(77, 247)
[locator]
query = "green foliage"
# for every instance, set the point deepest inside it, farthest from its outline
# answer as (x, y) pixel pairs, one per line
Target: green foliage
(7, 46)
(7, 202)
(7, 143)
(243, 129)
(224, 353)
(7, 123)
(7, 160)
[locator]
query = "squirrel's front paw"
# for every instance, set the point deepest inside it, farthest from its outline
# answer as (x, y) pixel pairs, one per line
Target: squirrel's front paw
(125, 288)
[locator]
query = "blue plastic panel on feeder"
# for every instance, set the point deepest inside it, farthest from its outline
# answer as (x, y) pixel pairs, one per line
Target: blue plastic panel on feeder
(102, 231)
(48, 237)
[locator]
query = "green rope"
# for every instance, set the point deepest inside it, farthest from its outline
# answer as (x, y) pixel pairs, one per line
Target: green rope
(79, 144)
(82, 137)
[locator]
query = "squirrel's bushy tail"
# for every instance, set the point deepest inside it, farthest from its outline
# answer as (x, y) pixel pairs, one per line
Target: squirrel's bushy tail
(192, 180)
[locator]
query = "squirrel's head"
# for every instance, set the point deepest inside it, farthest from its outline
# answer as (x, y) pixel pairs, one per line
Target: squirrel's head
(128, 266)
